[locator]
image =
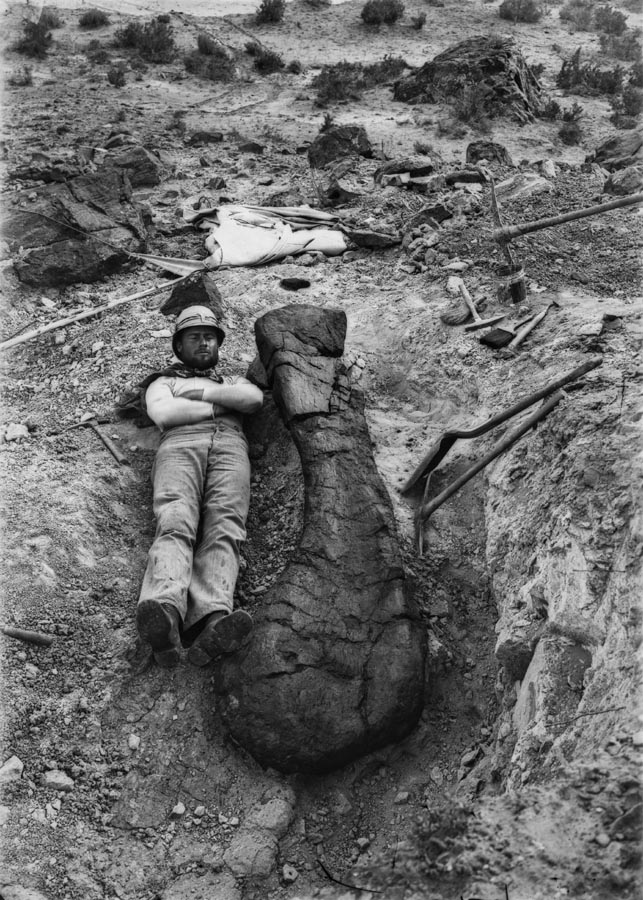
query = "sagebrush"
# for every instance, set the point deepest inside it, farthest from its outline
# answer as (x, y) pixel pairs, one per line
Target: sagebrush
(35, 41)
(520, 11)
(93, 18)
(50, 19)
(382, 12)
(348, 80)
(270, 12)
(154, 41)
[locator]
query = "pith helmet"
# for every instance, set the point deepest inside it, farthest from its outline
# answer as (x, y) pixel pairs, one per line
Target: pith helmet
(195, 317)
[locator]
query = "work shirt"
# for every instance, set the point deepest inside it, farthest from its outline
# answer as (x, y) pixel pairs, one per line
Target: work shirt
(163, 390)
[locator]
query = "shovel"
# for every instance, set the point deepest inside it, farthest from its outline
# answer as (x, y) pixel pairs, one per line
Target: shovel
(478, 321)
(500, 337)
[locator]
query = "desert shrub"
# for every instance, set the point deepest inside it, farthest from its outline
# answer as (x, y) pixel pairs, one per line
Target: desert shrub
(116, 75)
(451, 127)
(626, 46)
(327, 124)
(35, 40)
(419, 22)
(154, 40)
(267, 61)
(99, 56)
(629, 103)
(50, 19)
(252, 48)
(216, 66)
(378, 12)
(295, 67)
(22, 77)
(317, 4)
(588, 78)
(93, 18)
(636, 75)
(536, 69)
(270, 12)
(206, 44)
(423, 148)
(571, 132)
(551, 110)
(346, 81)
(520, 10)
(610, 20)
(579, 13)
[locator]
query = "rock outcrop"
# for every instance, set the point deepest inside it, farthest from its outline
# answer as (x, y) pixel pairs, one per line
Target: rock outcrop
(338, 142)
(77, 231)
(491, 65)
(335, 665)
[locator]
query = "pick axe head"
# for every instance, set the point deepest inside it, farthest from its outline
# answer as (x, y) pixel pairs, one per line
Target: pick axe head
(484, 323)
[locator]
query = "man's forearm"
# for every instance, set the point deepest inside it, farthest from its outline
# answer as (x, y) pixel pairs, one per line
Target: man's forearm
(242, 398)
(180, 411)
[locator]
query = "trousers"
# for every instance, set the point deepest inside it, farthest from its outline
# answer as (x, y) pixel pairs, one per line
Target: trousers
(201, 482)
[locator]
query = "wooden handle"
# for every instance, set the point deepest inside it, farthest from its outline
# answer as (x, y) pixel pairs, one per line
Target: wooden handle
(466, 296)
(529, 327)
(109, 443)
(502, 235)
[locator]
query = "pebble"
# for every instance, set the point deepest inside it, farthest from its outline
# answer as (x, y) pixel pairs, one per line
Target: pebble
(179, 810)
(401, 798)
(602, 839)
(289, 874)
(363, 843)
(16, 432)
(199, 811)
(11, 770)
(57, 780)
(637, 739)
(4, 815)
(134, 742)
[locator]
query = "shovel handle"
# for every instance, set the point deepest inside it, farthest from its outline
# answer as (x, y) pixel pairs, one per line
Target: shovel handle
(466, 296)
(526, 329)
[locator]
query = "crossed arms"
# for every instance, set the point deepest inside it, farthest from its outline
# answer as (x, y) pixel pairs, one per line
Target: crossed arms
(185, 401)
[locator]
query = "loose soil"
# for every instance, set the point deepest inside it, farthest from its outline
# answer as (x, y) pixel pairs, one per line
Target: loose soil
(468, 805)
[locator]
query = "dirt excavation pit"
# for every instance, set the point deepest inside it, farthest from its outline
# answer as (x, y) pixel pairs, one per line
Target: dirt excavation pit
(520, 781)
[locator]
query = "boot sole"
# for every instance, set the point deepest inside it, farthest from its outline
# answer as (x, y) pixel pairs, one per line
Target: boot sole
(157, 628)
(227, 635)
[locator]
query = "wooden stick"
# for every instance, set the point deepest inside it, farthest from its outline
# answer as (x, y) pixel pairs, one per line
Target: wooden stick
(109, 443)
(528, 328)
(502, 235)
(428, 508)
(87, 314)
(31, 637)
(440, 449)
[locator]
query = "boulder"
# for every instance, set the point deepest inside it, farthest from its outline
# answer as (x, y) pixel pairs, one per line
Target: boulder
(490, 64)
(525, 184)
(618, 152)
(199, 138)
(199, 289)
(78, 231)
(489, 151)
(412, 166)
(625, 181)
(335, 664)
(337, 142)
(142, 166)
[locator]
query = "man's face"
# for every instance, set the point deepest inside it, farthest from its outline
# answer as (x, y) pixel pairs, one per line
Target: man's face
(198, 347)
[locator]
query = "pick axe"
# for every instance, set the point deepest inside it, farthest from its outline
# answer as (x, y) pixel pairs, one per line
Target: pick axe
(109, 443)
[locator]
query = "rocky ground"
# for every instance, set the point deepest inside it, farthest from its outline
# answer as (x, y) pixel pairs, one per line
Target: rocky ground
(521, 779)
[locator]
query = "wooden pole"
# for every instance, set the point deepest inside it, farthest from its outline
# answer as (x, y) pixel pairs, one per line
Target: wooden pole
(502, 235)
(88, 313)
(428, 508)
